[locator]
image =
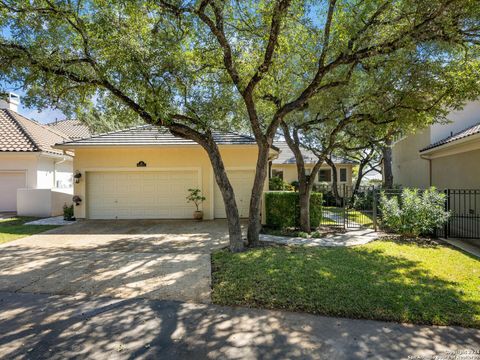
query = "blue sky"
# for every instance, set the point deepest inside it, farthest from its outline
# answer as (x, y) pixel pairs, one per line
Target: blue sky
(43, 116)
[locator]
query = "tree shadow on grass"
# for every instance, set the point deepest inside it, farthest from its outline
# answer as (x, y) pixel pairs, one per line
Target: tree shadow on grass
(354, 283)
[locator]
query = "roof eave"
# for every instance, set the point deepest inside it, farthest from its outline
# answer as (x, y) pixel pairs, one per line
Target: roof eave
(449, 145)
(64, 146)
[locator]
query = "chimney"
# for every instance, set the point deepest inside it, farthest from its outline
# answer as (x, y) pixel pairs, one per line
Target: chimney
(10, 101)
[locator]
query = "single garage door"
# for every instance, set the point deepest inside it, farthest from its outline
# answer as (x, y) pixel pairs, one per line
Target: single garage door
(242, 182)
(9, 183)
(140, 195)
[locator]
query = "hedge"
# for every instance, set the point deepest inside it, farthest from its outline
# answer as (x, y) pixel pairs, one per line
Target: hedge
(282, 209)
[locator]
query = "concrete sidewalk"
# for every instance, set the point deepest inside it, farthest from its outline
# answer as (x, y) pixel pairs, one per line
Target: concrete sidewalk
(350, 238)
(50, 326)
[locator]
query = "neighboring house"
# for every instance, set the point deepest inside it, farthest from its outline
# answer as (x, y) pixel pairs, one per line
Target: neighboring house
(443, 155)
(74, 129)
(145, 172)
(284, 166)
(29, 167)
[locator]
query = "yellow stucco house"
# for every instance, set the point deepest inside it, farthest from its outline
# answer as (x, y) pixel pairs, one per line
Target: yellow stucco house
(284, 166)
(442, 155)
(145, 172)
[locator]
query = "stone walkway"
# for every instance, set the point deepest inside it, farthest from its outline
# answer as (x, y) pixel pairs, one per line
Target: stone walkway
(350, 238)
(56, 220)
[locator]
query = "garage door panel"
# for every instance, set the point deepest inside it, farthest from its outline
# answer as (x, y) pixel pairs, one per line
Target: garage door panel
(140, 195)
(242, 183)
(9, 183)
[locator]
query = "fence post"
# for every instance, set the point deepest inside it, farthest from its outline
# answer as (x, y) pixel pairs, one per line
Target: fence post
(447, 208)
(374, 210)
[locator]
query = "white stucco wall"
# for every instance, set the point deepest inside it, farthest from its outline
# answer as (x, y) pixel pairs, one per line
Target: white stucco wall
(460, 120)
(41, 172)
(408, 168)
(41, 202)
(54, 172)
(21, 162)
(64, 174)
(45, 175)
(458, 171)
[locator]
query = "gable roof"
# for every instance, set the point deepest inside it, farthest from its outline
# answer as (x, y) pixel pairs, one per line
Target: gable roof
(19, 134)
(74, 129)
(472, 130)
(286, 156)
(153, 136)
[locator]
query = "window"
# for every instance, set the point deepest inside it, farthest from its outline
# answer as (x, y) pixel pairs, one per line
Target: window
(343, 175)
(325, 175)
(277, 173)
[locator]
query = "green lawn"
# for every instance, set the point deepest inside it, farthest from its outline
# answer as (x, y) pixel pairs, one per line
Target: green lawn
(383, 280)
(14, 228)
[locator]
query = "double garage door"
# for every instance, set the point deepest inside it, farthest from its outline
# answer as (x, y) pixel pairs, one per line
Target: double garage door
(156, 194)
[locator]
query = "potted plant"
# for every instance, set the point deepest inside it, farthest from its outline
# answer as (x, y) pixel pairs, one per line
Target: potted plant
(197, 198)
(68, 212)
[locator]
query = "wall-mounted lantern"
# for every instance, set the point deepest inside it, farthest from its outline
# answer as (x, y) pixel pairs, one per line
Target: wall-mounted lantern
(77, 176)
(141, 164)
(76, 200)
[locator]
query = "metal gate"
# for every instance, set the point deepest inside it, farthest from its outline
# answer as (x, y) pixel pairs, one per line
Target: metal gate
(347, 208)
(464, 207)
(342, 208)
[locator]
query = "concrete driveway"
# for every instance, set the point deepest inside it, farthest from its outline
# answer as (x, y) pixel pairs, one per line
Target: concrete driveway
(153, 259)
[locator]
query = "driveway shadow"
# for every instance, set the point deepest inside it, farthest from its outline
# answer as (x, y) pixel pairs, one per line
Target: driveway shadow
(148, 236)
(102, 273)
(53, 327)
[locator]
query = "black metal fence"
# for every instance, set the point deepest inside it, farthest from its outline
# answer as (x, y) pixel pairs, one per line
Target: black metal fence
(464, 207)
(350, 208)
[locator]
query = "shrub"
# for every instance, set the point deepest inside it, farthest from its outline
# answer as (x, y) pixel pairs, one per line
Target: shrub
(294, 184)
(316, 203)
(68, 212)
(363, 200)
(417, 213)
(282, 209)
(277, 184)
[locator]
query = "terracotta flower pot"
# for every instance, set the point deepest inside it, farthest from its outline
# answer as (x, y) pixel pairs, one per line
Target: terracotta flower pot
(198, 215)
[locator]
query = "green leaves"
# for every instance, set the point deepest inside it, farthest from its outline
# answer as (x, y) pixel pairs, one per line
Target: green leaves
(414, 213)
(148, 60)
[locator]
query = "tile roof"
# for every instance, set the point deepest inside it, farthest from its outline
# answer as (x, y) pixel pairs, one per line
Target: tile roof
(286, 156)
(153, 135)
(475, 129)
(74, 129)
(19, 134)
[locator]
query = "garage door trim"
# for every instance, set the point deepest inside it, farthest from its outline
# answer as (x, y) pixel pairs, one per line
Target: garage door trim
(213, 182)
(86, 172)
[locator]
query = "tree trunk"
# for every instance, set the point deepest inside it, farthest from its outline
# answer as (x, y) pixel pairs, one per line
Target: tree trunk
(304, 203)
(338, 198)
(231, 209)
(359, 181)
(254, 219)
(228, 195)
(387, 165)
